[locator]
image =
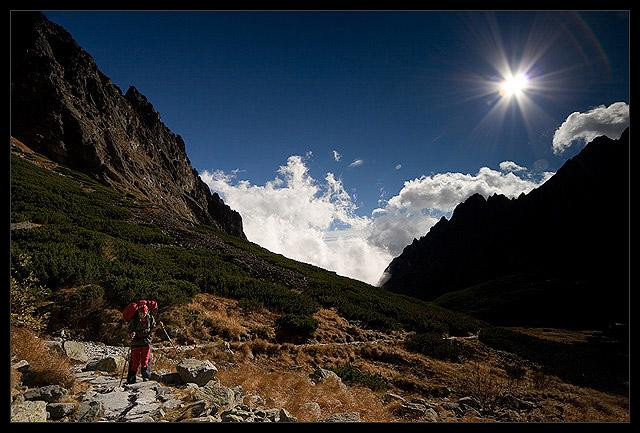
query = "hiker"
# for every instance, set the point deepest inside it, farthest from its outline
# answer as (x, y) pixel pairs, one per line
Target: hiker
(141, 326)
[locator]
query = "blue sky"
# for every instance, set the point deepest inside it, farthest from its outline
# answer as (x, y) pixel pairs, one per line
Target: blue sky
(247, 90)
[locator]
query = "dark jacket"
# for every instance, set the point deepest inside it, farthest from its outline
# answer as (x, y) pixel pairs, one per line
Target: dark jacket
(143, 330)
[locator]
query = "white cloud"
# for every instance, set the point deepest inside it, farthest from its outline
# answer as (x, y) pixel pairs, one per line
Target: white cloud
(423, 201)
(296, 216)
(511, 166)
(398, 167)
(356, 163)
(315, 222)
(443, 191)
(602, 120)
(336, 155)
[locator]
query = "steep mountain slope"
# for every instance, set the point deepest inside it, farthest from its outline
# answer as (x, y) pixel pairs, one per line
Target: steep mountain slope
(567, 240)
(66, 109)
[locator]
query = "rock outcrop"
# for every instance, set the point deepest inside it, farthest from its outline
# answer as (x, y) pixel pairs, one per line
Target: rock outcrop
(64, 107)
(567, 240)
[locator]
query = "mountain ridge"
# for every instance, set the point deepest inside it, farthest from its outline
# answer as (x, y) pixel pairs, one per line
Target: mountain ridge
(554, 232)
(68, 110)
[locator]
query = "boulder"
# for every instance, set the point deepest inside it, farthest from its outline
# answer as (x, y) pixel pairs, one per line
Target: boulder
(390, 397)
(272, 415)
(469, 402)
(219, 396)
(431, 415)
(88, 411)
(22, 366)
(55, 346)
(76, 350)
(285, 416)
(414, 410)
(110, 364)
(29, 411)
(195, 371)
(49, 393)
(196, 409)
(322, 374)
(312, 409)
(60, 410)
(229, 417)
(343, 417)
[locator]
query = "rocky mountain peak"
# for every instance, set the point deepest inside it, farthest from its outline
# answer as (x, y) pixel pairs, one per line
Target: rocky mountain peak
(555, 231)
(64, 107)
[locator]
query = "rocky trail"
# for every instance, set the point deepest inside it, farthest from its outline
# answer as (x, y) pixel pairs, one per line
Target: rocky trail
(191, 393)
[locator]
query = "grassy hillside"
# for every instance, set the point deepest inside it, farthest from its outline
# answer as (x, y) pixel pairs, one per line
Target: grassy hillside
(91, 237)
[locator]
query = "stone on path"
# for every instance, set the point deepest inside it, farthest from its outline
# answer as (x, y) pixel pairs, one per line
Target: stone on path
(49, 393)
(60, 410)
(76, 350)
(195, 371)
(29, 411)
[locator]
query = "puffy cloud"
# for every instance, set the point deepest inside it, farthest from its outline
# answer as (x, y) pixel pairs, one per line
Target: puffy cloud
(511, 166)
(443, 191)
(336, 155)
(296, 216)
(316, 222)
(356, 163)
(602, 120)
(398, 166)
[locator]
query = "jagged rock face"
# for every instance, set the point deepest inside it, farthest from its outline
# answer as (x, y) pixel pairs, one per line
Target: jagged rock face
(573, 227)
(66, 109)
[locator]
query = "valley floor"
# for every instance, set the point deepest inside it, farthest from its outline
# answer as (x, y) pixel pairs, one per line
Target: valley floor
(381, 381)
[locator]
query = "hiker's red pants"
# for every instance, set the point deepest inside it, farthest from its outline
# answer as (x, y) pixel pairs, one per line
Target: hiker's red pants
(139, 358)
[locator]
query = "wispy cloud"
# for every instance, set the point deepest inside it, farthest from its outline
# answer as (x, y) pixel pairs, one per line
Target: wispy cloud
(356, 163)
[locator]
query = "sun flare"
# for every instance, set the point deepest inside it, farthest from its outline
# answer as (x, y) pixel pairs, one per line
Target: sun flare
(513, 85)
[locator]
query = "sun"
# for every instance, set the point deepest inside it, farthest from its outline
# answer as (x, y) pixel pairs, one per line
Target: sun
(513, 85)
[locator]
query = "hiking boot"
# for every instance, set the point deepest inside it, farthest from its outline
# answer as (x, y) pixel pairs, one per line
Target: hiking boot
(146, 372)
(131, 378)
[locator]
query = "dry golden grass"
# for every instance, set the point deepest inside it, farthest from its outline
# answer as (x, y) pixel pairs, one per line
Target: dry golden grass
(292, 389)
(279, 372)
(47, 367)
(15, 379)
(209, 317)
(331, 326)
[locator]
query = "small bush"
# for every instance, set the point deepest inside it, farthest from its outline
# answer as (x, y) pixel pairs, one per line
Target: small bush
(250, 305)
(351, 374)
(433, 345)
(295, 327)
(26, 295)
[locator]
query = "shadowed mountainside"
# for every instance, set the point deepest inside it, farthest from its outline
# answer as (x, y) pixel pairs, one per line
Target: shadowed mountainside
(68, 110)
(565, 244)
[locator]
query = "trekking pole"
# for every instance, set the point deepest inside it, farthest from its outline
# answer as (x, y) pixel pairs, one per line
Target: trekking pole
(125, 366)
(170, 341)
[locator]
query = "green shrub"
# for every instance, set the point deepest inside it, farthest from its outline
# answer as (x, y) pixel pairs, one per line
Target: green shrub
(433, 345)
(295, 327)
(26, 294)
(250, 304)
(351, 374)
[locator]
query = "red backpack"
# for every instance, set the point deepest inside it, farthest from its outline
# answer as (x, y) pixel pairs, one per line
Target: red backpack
(130, 310)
